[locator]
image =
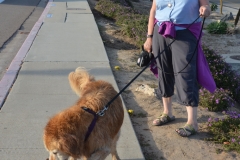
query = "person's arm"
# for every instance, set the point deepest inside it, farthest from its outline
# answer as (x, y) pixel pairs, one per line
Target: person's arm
(148, 43)
(204, 9)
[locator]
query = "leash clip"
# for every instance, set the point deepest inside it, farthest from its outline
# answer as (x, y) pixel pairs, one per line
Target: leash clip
(102, 112)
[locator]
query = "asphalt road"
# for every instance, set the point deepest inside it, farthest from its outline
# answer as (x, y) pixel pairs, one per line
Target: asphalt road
(17, 17)
(12, 15)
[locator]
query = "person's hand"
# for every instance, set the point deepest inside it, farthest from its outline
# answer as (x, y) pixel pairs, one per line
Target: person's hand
(147, 46)
(204, 11)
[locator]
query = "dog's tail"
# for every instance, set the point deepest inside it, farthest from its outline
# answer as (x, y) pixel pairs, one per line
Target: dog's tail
(79, 79)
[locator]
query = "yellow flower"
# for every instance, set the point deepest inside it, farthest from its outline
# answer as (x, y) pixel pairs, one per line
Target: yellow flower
(117, 67)
(130, 111)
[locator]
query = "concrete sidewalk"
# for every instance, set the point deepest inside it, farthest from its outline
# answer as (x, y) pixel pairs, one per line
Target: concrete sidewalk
(36, 86)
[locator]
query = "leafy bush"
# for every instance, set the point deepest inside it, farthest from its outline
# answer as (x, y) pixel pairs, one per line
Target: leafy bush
(223, 74)
(214, 7)
(217, 27)
(127, 3)
(132, 24)
(112, 9)
(218, 101)
(225, 131)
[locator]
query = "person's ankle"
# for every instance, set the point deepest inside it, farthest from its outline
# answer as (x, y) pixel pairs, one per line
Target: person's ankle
(194, 125)
(168, 113)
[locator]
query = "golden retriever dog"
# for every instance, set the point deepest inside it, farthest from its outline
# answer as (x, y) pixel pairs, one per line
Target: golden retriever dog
(64, 134)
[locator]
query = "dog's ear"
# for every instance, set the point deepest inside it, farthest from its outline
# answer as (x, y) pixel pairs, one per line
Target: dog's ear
(69, 144)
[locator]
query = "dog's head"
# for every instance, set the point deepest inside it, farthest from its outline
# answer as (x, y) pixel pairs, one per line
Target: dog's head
(65, 148)
(79, 79)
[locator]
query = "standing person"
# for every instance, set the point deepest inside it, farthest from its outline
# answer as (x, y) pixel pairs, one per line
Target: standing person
(169, 21)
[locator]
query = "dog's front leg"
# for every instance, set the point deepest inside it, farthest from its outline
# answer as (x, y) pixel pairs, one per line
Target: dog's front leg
(115, 157)
(114, 147)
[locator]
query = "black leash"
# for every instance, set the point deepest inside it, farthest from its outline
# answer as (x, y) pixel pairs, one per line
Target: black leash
(102, 112)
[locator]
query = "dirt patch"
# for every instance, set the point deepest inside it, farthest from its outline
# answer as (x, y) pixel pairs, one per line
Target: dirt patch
(159, 142)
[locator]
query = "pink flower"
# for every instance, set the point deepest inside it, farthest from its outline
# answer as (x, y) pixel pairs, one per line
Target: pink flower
(209, 119)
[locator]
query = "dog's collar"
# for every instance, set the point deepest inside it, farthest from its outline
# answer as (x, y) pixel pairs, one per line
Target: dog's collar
(91, 126)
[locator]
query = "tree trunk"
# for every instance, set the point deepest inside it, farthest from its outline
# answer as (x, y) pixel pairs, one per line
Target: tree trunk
(237, 18)
(221, 6)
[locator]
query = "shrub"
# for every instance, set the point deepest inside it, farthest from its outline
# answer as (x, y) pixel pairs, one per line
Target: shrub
(223, 74)
(225, 131)
(217, 27)
(132, 23)
(112, 9)
(214, 7)
(127, 3)
(218, 101)
(134, 26)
